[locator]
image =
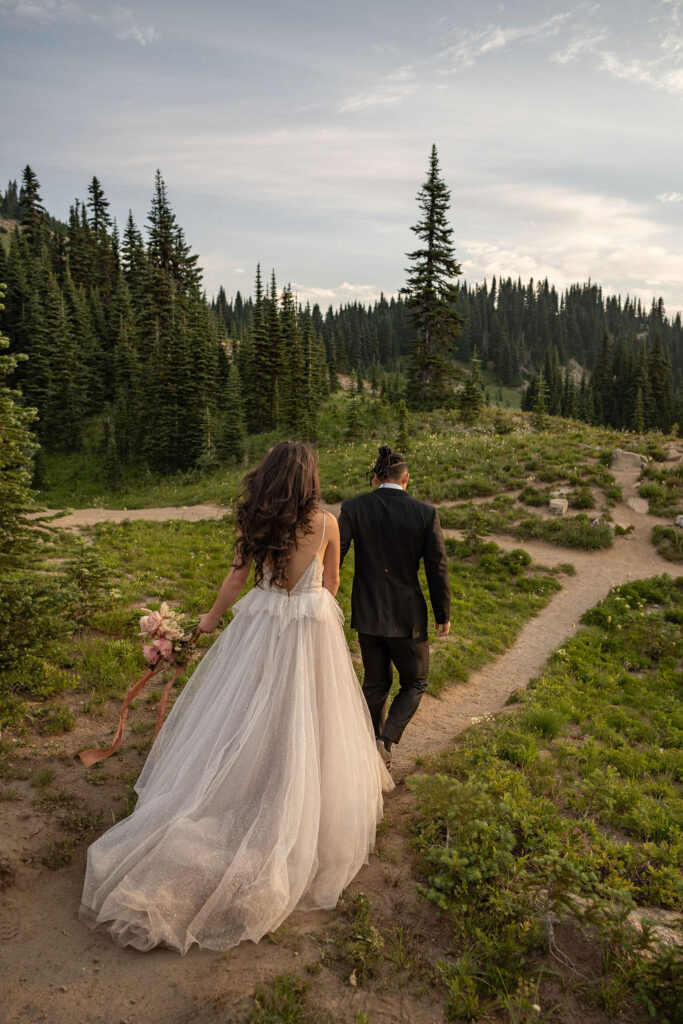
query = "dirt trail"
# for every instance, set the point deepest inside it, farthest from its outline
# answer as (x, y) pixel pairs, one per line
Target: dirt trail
(90, 516)
(56, 970)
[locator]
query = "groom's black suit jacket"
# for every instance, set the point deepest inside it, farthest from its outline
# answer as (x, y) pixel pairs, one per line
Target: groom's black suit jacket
(391, 532)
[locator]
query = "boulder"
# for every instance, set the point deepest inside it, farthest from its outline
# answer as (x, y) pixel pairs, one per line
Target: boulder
(638, 505)
(558, 506)
(622, 460)
(679, 521)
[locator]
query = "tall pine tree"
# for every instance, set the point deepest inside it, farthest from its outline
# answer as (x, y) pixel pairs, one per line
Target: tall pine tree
(432, 295)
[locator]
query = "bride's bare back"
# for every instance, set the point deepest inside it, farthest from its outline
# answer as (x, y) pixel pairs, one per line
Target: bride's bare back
(323, 542)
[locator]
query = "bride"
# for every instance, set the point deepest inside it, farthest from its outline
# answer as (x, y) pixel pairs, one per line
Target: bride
(263, 790)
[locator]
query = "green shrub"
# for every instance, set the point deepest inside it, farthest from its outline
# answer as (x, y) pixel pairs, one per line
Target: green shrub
(41, 778)
(531, 496)
(58, 853)
(669, 542)
(581, 497)
(281, 1004)
(61, 720)
(568, 531)
(545, 721)
(361, 944)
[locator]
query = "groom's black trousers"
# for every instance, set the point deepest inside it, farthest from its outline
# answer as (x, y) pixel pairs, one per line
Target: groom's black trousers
(411, 658)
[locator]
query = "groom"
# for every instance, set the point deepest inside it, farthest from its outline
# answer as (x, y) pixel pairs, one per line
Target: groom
(391, 532)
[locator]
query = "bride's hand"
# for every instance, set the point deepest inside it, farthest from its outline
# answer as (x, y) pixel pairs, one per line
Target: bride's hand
(207, 623)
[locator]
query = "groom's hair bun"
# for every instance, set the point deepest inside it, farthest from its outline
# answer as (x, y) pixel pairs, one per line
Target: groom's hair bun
(389, 465)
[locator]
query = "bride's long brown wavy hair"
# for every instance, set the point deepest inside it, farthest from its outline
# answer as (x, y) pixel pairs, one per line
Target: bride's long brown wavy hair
(278, 501)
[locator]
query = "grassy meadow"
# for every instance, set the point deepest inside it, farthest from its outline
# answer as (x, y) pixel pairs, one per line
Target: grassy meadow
(541, 833)
(448, 460)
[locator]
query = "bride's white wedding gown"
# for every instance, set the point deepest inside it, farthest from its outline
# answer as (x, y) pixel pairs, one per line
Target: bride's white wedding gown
(261, 793)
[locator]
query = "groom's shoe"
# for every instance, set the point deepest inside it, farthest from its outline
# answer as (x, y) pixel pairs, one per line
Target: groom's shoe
(384, 754)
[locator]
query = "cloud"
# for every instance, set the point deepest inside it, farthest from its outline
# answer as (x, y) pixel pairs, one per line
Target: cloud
(576, 235)
(121, 20)
(642, 72)
(368, 171)
(117, 19)
(663, 72)
(578, 46)
(670, 197)
(392, 89)
(338, 295)
(481, 42)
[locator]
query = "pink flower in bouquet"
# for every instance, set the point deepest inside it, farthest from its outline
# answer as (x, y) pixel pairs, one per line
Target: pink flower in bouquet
(158, 649)
(151, 654)
(150, 623)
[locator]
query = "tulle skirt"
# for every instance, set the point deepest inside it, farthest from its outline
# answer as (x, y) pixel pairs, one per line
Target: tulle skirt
(262, 792)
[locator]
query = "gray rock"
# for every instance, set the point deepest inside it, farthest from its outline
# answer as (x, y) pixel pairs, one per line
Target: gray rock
(638, 505)
(679, 521)
(622, 460)
(558, 506)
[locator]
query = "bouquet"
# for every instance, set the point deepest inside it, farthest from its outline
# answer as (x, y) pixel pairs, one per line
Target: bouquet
(168, 636)
(170, 641)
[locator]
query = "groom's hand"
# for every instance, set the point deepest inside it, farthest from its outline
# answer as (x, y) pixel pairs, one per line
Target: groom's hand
(443, 629)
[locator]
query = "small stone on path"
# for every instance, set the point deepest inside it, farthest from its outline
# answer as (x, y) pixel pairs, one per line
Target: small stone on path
(622, 460)
(558, 506)
(638, 505)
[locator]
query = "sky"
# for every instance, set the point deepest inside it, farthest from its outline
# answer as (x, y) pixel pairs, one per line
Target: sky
(297, 134)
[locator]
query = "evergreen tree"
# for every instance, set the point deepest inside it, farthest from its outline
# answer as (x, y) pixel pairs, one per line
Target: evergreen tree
(100, 220)
(129, 406)
(262, 382)
(245, 366)
(276, 350)
(232, 443)
(641, 382)
(432, 295)
(133, 259)
(602, 381)
(540, 402)
(403, 439)
(9, 205)
(638, 423)
(62, 416)
(661, 387)
(353, 424)
(294, 398)
(31, 211)
(25, 602)
(471, 395)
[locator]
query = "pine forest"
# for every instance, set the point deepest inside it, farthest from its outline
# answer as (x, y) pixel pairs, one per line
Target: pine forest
(118, 332)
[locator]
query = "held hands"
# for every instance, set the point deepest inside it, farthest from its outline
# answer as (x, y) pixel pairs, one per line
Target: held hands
(443, 629)
(207, 623)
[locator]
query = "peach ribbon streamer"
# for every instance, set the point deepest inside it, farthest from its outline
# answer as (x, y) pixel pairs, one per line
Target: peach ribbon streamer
(164, 697)
(95, 754)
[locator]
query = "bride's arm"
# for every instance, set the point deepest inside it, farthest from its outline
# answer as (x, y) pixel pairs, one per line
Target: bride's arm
(331, 556)
(230, 588)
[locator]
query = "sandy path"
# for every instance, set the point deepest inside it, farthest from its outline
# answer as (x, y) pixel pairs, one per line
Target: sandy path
(91, 516)
(55, 970)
